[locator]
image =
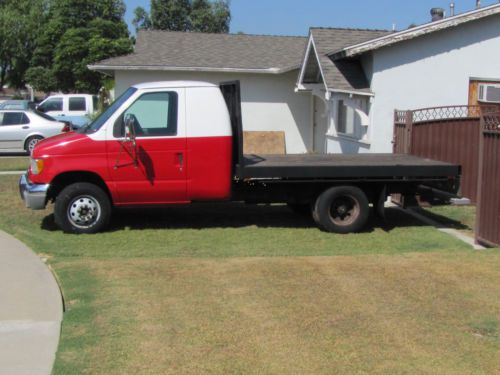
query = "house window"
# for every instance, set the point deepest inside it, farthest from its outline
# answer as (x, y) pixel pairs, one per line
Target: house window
(352, 117)
(341, 117)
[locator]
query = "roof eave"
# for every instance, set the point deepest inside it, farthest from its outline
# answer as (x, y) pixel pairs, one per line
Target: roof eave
(352, 92)
(414, 32)
(107, 68)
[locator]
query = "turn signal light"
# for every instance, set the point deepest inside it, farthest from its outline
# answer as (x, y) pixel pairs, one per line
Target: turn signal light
(36, 166)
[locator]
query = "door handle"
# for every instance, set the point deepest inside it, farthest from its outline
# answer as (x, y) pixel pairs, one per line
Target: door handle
(180, 161)
(26, 127)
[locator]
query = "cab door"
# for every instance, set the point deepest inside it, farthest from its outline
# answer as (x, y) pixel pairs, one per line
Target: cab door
(153, 170)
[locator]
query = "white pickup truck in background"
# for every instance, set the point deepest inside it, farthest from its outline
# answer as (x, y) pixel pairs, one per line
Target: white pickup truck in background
(75, 108)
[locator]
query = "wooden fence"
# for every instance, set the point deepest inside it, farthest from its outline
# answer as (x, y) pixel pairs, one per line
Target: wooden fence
(448, 134)
(488, 205)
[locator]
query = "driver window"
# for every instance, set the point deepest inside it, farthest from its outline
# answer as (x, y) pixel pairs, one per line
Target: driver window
(55, 104)
(153, 114)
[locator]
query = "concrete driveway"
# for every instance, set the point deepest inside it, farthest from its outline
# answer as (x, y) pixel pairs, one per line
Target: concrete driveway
(31, 310)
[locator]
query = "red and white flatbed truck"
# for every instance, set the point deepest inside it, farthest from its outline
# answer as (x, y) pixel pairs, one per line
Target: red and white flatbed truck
(171, 143)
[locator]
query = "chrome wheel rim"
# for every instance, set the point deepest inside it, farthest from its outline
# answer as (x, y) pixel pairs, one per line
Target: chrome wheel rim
(344, 210)
(32, 143)
(84, 211)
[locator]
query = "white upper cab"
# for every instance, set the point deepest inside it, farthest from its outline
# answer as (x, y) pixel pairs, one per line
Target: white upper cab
(199, 106)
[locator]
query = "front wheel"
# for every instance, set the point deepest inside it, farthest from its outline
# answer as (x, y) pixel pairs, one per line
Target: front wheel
(82, 208)
(341, 209)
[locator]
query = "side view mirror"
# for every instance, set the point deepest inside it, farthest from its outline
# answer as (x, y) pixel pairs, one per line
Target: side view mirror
(129, 122)
(128, 145)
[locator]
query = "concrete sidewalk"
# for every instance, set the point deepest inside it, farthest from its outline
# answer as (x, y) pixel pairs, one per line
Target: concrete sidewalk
(30, 311)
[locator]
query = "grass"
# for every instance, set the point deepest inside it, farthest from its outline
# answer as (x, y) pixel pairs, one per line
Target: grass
(20, 163)
(459, 217)
(218, 289)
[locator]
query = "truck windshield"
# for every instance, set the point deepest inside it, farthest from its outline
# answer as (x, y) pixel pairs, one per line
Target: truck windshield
(103, 117)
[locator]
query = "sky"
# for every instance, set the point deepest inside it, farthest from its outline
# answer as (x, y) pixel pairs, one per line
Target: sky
(294, 17)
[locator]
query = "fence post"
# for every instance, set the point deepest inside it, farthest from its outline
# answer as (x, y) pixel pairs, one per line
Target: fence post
(409, 130)
(480, 175)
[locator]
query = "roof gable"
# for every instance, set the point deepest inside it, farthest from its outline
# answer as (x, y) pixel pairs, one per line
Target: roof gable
(346, 75)
(164, 50)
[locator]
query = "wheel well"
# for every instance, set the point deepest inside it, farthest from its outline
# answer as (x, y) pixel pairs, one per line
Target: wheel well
(371, 190)
(32, 136)
(68, 178)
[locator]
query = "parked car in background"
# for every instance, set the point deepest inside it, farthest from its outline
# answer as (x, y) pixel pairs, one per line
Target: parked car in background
(21, 130)
(18, 104)
(76, 108)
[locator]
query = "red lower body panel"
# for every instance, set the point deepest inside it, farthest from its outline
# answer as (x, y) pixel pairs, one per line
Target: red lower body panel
(209, 163)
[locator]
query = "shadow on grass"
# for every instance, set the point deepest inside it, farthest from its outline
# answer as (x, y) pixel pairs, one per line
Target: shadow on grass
(443, 221)
(230, 215)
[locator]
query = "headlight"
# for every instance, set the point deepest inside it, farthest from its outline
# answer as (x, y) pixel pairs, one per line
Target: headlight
(36, 166)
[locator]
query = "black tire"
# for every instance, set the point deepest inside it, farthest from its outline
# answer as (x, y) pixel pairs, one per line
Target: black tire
(82, 208)
(341, 209)
(31, 143)
(303, 209)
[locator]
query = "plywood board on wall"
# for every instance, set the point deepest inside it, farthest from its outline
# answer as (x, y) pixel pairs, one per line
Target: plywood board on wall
(264, 142)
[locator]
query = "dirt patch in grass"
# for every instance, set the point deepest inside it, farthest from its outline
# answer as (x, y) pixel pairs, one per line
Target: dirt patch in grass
(14, 163)
(234, 289)
(418, 313)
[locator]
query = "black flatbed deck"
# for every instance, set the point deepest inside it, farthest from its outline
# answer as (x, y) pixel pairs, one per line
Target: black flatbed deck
(336, 166)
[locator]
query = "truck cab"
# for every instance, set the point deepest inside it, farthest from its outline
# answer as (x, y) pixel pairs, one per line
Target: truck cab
(145, 149)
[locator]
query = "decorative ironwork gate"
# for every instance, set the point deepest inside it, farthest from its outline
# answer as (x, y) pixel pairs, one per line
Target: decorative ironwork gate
(488, 207)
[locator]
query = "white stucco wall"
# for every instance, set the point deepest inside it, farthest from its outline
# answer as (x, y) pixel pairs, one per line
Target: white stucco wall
(428, 71)
(431, 71)
(269, 102)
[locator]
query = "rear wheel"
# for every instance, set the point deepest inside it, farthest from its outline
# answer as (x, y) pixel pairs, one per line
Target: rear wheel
(31, 142)
(341, 209)
(82, 208)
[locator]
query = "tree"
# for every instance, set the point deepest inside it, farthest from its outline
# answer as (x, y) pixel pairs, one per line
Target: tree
(217, 21)
(141, 20)
(20, 22)
(78, 33)
(185, 15)
(170, 14)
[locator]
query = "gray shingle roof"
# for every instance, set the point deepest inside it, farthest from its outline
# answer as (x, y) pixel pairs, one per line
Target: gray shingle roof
(201, 51)
(344, 74)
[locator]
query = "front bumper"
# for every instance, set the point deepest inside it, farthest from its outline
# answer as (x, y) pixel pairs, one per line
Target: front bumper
(33, 195)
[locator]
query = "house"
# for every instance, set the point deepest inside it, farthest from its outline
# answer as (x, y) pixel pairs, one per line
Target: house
(358, 87)
(335, 91)
(267, 67)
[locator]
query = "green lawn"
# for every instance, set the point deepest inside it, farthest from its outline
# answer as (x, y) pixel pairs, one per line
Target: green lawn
(230, 289)
(459, 217)
(12, 163)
